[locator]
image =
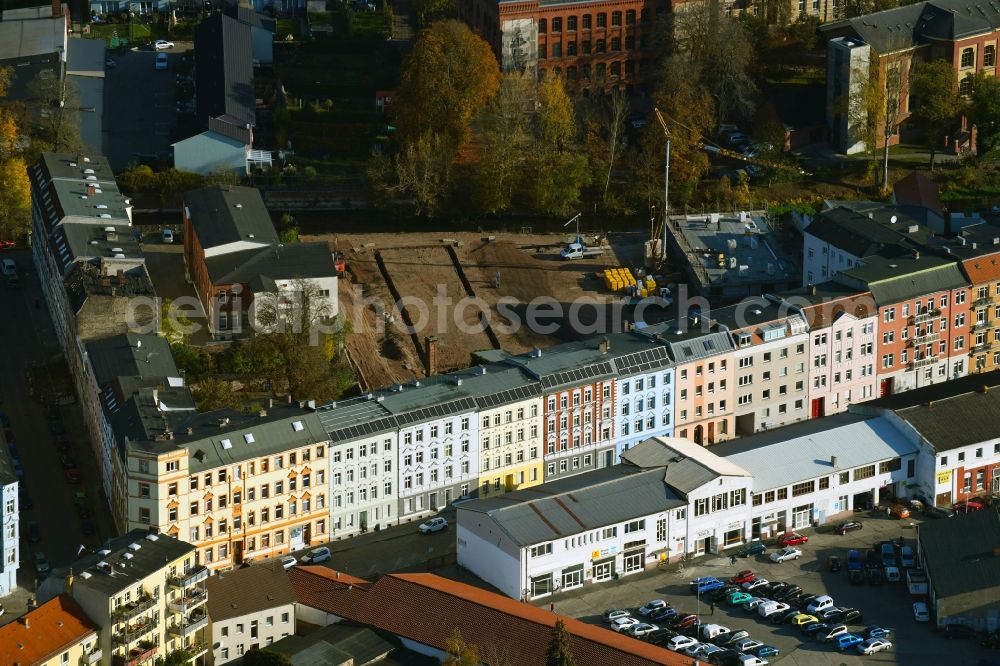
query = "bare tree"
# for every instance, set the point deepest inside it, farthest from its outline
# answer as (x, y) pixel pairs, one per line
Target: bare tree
(615, 115)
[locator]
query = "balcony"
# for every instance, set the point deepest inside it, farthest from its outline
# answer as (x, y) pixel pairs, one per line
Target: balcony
(136, 656)
(196, 649)
(979, 349)
(925, 338)
(981, 302)
(188, 626)
(925, 361)
(134, 631)
(129, 611)
(980, 325)
(188, 578)
(189, 601)
(92, 657)
(924, 316)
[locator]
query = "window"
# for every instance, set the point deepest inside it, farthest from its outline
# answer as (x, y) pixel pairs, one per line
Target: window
(616, 18)
(542, 26)
(571, 23)
(989, 56)
(586, 21)
(557, 24)
(968, 57)
(864, 472)
(635, 526)
(803, 488)
(602, 20)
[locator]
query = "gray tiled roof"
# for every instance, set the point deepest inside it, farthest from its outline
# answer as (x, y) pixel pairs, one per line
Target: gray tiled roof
(258, 267)
(250, 590)
(131, 354)
(936, 420)
(224, 70)
(692, 346)
(355, 418)
(578, 503)
(893, 280)
(223, 215)
(960, 554)
(860, 235)
(904, 27)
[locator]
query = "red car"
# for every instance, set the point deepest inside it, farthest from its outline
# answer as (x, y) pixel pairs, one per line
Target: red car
(743, 577)
(792, 539)
(686, 621)
(968, 505)
(73, 475)
(6, 244)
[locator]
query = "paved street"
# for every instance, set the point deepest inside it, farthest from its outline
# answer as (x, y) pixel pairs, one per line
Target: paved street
(140, 106)
(887, 605)
(26, 338)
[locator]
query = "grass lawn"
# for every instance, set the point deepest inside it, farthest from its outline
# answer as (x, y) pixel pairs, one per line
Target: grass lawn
(370, 25)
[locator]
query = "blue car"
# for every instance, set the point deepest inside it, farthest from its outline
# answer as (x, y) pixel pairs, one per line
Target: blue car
(846, 641)
(875, 631)
(706, 584)
(765, 651)
(663, 614)
(814, 627)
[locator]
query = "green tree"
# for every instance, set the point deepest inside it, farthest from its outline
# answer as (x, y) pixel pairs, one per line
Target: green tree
(458, 652)
(505, 141)
(289, 232)
(15, 199)
(558, 652)
(984, 111)
(556, 117)
(449, 75)
(265, 658)
(933, 87)
(428, 11)
(422, 171)
(59, 104)
(213, 393)
(179, 657)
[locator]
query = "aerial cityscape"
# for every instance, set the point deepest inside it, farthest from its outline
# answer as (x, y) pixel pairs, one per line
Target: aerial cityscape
(483, 332)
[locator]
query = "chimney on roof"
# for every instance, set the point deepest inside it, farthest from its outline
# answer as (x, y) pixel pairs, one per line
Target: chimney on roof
(288, 398)
(916, 254)
(604, 345)
(338, 575)
(430, 354)
(223, 422)
(985, 389)
(190, 430)
(56, 8)
(270, 402)
(262, 413)
(812, 290)
(27, 624)
(833, 461)
(105, 281)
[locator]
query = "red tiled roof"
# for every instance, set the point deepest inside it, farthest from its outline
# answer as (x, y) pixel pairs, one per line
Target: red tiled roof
(427, 608)
(983, 269)
(918, 190)
(45, 632)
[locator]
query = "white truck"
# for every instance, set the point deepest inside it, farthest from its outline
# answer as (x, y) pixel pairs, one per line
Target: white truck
(577, 250)
(916, 580)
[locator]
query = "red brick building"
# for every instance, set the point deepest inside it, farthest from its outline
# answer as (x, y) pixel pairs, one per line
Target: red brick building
(595, 44)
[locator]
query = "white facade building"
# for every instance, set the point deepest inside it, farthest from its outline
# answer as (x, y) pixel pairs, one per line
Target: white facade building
(644, 391)
(842, 363)
(10, 525)
(363, 469)
(248, 608)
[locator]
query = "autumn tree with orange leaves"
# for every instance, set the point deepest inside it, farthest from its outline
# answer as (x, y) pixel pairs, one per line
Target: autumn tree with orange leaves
(15, 190)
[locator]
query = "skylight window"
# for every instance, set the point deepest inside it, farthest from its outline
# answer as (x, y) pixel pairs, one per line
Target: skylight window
(297, 426)
(249, 438)
(227, 444)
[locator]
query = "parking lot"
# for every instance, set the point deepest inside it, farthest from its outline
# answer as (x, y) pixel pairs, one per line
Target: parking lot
(140, 106)
(26, 343)
(888, 605)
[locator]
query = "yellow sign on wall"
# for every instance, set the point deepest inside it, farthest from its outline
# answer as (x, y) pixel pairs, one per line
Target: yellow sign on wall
(944, 478)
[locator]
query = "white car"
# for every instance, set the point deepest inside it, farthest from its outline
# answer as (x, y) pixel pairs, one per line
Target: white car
(920, 612)
(747, 645)
(678, 643)
(750, 660)
(288, 561)
(751, 585)
(167, 235)
(161, 61)
(623, 623)
(768, 609)
(710, 631)
(642, 629)
(8, 267)
(754, 603)
(433, 525)
(316, 555)
(873, 645)
(652, 607)
(786, 554)
(820, 603)
(162, 44)
(613, 615)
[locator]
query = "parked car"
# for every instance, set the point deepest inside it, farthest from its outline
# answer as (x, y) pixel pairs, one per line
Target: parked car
(663, 614)
(888, 554)
(317, 555)
(725, 657)
(696, 650)
(744, 576)
(958, 631)
(41, 564)
(849, 526)
(875, 631)
(754, 602)
(161, 61)
(968, 505)
(803, 618)
(846, 641)
(938, 512)
(874, 575)
(814, 628)
(751, 660)
(623, 623)
(752, 548)
(737, 598)
(642, 629)
(873, 645)
(785, 617)
(613, 614)
(907, 557)
(678, 643)
(765, 651)
(747, 645)
(162, 44)
(768, 609)
(731, 638)
(433, 525)
(820, 603)
(792, 539)
(705, 584)
(754, 584)
(8, 267)
(831, 633)
(786, 554)
(652, 606)
(920, 612)
(721, 593)
(710, 631)
(787, 593)
(686, 621)
(167, 235)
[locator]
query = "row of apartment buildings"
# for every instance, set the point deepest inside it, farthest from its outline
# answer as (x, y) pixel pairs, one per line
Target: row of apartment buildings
(294, 474)
(670, 498)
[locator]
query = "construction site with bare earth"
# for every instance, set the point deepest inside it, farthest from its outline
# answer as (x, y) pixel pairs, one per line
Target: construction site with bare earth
(468, 292)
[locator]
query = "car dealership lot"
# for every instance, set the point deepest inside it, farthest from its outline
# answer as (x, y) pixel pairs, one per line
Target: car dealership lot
(887, 605)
